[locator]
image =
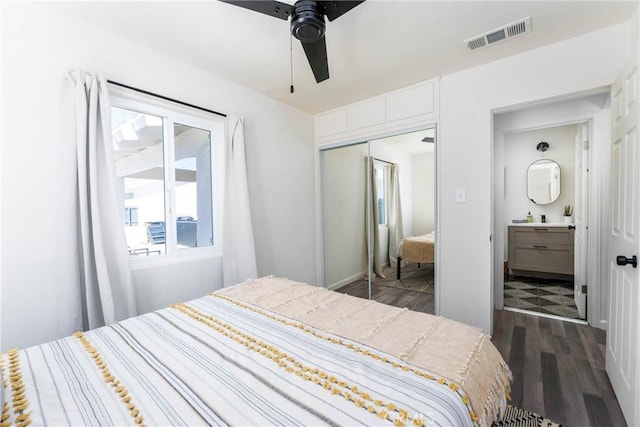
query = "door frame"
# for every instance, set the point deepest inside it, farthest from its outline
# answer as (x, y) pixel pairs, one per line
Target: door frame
(599, 121)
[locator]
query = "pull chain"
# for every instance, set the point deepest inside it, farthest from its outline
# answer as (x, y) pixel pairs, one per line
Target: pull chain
(291, 60)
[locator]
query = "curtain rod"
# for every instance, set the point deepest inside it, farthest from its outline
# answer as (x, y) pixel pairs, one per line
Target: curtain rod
(166, 98)
(383, 161)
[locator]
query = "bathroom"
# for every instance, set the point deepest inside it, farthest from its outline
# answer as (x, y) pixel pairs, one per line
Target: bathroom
(542, 183)
(576, 130)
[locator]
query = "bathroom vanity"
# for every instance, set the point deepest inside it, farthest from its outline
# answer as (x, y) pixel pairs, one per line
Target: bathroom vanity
(541, 247)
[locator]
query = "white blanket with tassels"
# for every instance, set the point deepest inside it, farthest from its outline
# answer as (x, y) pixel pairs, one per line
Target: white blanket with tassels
(269, 351)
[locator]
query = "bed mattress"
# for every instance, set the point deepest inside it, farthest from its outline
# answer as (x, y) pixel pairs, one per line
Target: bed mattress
(418, 249)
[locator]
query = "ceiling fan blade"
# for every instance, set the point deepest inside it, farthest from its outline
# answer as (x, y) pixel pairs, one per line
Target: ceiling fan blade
(317, 56)
(268, 7)
(334, 9)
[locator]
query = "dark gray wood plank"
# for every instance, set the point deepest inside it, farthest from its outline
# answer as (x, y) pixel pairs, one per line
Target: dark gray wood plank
(502, 330)
(517, 354)
(553, 399)
(516, 363)
(533, 389)
(615, 413)
(591, 347)
(557, 328)
(586, 377)
(575, 409)
(597, 410)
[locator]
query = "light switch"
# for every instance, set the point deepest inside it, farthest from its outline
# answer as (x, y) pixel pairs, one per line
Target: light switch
(461, 195)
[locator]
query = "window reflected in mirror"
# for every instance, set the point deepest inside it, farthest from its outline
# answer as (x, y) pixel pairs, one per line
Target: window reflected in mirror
(381, 187)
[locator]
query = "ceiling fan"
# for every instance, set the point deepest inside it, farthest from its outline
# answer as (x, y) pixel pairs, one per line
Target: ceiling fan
(307, 24)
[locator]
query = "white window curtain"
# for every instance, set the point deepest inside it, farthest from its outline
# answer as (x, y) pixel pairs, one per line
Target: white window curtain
(239, 254)
(396, 232)
(107, 290)
(372, 219)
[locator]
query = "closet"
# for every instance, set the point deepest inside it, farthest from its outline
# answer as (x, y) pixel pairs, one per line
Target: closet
(374, 194)
(360, 154)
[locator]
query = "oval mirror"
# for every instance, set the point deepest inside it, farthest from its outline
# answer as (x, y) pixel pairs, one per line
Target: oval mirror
(543, 181)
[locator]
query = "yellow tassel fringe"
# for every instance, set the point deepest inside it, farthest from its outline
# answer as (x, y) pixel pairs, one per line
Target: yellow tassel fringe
(354, 347)
(13, 381)
(335, 385)
(109, 378)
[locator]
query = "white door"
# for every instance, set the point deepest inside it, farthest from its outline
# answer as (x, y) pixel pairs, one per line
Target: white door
(623, 335)
(581, 218)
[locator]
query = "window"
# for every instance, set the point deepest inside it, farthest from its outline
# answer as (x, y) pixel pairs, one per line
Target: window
(381, 174)
(168, 166)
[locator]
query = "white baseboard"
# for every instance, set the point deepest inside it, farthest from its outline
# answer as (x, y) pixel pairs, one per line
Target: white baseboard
(362, 275)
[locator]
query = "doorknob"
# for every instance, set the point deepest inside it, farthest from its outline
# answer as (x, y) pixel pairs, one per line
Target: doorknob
(623, 260)
(571, 227)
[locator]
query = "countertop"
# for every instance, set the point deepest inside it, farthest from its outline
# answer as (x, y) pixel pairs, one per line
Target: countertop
(540, 224)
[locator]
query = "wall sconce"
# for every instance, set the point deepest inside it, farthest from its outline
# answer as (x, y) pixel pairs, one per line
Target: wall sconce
(542, 146)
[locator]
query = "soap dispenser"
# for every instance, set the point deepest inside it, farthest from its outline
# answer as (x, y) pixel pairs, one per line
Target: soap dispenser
(529, 217)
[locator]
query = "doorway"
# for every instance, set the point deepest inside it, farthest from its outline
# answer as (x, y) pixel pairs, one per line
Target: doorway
(374, 194)
(562, 276)
(543, 248)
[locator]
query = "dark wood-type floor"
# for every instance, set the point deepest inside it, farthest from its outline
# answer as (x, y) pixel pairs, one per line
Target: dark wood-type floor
(416, 301)
(558, 369)
(558, 366)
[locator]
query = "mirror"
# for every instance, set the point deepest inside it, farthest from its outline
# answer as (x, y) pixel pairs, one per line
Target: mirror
(543, 181)
(344, 179)
(375, 195)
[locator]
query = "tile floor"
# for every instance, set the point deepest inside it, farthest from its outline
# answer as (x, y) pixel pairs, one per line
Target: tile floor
(541, 295)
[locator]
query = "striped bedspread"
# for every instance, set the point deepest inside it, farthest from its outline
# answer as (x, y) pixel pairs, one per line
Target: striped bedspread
(220, 360)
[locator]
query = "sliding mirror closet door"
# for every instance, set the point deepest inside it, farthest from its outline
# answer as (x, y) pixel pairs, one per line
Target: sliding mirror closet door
(344, 184)
(378, 201)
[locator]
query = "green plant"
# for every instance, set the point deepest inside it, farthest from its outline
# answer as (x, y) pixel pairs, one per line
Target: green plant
(568, 210)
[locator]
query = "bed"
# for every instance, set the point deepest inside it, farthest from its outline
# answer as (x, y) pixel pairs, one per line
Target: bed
(418, 249)
(268, 351)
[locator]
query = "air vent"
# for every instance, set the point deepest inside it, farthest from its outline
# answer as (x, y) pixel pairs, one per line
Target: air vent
(508, 31)
(476, 43)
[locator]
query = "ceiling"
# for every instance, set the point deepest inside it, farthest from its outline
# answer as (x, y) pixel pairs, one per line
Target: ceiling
(377, 47)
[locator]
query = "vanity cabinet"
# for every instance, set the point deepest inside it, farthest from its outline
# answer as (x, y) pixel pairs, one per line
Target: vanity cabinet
(542, 248)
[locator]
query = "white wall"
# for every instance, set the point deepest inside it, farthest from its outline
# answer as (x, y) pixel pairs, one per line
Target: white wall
(39, 253)
(424, 196)
(467, 100)
(519, 153)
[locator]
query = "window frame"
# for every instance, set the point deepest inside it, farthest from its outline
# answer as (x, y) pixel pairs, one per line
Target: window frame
(172, 113)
